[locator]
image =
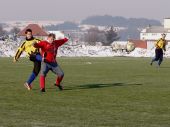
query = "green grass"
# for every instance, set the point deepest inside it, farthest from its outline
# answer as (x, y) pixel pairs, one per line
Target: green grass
(109, 92)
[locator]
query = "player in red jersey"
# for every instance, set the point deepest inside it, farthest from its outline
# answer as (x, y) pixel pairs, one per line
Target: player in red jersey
(49, 52)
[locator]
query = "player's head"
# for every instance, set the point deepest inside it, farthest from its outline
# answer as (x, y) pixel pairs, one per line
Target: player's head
(163, 35)
(28, 33)
(51, 37)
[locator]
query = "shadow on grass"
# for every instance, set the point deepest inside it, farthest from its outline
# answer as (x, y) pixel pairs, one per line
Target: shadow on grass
(98, 86)
(94, 86)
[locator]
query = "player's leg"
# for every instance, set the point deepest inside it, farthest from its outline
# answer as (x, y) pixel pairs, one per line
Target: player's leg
(35, 72)
(60, 74)
(156, 58)
(38, 57)
(32, 76)
(43, 73)
(160, 58)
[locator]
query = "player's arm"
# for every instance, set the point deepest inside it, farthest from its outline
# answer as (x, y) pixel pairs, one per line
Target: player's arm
(38, 45)
(37, 40)
(164, 45)
(19, 52)
(61, 42)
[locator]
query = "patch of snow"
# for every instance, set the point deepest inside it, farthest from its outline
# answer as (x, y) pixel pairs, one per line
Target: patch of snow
(8, 49)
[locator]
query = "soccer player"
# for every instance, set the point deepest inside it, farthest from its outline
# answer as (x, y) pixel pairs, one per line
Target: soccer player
(33, 54)
(49, 52)
(160, 46)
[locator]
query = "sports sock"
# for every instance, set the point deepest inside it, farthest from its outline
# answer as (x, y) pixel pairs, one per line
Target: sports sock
(42, 82)
(58, 81)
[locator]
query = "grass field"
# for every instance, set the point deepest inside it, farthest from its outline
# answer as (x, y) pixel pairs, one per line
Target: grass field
(99, 92)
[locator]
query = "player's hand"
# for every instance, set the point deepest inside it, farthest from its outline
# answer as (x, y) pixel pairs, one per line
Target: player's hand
(14, 60)
(69, 36)
(164, 52)
(34, 43)
(62, 32)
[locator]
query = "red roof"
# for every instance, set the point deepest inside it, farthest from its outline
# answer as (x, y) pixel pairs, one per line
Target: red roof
(139, 43)
(36, 30)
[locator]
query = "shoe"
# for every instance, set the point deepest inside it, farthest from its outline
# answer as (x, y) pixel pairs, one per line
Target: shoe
(59, 86)
(29, 87)
(42, 90)
(151, 63)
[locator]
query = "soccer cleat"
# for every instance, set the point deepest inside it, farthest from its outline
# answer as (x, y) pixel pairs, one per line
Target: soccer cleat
(59, 86)
(42, 90)
(28, 86)
(151, 63)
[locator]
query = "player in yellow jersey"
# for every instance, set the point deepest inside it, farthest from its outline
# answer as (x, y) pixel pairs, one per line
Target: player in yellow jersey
(160, 45)
(33, 54)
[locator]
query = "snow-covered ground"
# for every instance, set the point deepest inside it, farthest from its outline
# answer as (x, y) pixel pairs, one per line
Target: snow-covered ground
(8, 49)
(103, 51)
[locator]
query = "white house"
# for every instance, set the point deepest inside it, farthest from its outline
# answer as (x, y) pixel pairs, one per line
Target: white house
(153, 33)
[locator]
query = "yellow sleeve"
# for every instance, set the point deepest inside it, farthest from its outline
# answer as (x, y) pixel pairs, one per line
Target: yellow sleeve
(164, 45)
(19, 51)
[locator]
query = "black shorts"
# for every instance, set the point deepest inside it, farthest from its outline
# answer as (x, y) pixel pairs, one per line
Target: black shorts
(37, 63)
(158, 54)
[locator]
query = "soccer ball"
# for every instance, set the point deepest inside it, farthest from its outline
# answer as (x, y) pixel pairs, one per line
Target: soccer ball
(130, 46)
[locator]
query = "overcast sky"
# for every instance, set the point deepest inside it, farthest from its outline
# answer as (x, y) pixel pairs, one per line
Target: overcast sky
(74, 10)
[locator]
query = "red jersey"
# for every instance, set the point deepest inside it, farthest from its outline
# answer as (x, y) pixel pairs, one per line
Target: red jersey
(49, 50)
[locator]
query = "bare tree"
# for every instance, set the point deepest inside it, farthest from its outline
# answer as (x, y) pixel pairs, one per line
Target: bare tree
(105, 37)
(15, 30)
(92, 36)
(2, 31)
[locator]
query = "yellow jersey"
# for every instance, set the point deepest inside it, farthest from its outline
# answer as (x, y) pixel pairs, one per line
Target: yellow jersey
(160, 44)
(27, 46)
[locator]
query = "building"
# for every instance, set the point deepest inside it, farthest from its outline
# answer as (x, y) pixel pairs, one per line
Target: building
(139, 43)
(153, 33)
(36, 30)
